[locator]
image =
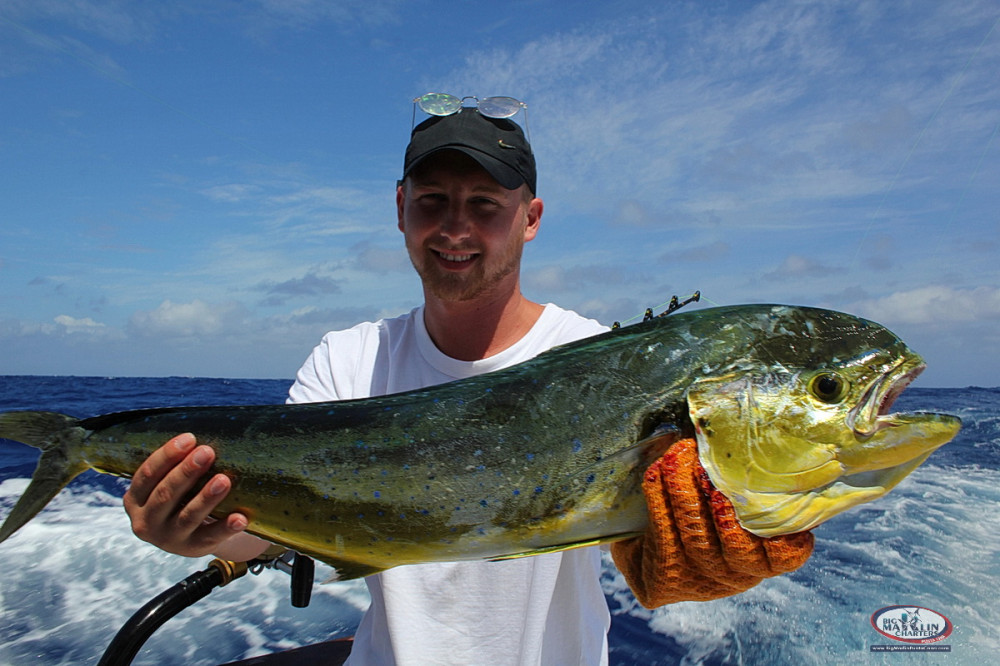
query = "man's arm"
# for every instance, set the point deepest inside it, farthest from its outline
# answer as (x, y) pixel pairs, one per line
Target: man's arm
(161, 515)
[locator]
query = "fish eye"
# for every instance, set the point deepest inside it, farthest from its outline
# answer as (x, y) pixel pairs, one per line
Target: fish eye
(829, 387)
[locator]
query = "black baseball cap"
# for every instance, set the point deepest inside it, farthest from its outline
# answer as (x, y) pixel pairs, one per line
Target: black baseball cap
(497, 144)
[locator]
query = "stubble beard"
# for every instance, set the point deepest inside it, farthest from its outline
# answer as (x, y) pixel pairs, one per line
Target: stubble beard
(455, 287)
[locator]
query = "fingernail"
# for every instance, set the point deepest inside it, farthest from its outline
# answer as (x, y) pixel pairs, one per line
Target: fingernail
(201, 457)
(237, 523)
(184, 442)
(217, 486)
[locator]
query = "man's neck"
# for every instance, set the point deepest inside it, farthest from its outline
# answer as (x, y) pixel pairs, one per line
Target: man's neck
(474, 330)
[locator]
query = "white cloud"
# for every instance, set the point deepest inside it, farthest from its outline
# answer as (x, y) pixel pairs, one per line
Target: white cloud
(194, 319)
(82, 329)
(73, 325)
(934, 304)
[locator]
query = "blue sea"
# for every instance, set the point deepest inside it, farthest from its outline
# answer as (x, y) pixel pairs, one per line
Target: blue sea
(75, 574)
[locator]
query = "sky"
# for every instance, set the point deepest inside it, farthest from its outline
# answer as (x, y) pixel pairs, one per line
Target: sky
(206, 188)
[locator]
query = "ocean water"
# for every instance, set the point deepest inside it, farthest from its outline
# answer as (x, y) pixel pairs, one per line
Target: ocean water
(75, 574)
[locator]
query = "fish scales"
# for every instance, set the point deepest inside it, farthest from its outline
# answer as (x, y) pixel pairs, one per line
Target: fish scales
(545, 455)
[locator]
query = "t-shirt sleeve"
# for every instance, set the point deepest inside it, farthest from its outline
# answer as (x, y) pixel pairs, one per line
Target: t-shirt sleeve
(573, 327)
(325, 375)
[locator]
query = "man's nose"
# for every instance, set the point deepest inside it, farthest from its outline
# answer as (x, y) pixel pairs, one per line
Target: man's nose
(455, 223)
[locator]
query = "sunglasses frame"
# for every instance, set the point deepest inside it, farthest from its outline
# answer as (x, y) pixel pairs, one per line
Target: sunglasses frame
(444, 104)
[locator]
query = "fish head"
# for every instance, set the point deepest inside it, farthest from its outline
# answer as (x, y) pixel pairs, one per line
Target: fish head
(800, 429)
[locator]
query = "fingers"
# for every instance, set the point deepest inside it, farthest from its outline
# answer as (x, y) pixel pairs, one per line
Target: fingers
(658, 566)
(694, 548)
(746, 552)
(157, 465)
(165, 510)
(742, 550)
(687, 484)
(789, 552)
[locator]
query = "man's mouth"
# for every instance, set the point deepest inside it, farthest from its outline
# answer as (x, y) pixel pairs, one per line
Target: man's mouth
(453, 257)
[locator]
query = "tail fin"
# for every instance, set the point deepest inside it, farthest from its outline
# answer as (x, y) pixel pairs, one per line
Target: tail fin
(58, 436)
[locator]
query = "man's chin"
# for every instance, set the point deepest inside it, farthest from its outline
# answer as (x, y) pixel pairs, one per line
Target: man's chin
(463, 286)
(456, 293)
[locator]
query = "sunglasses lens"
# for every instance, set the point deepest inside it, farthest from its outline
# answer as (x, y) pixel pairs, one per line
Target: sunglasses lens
(439, 104)
(499, 107)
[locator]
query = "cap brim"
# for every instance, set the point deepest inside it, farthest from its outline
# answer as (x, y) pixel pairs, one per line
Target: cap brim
(507, 176)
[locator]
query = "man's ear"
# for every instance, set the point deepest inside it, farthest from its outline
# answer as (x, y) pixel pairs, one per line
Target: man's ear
(400, 200)
(535, 210)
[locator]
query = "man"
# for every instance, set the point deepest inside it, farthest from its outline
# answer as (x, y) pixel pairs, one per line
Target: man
(466, 206)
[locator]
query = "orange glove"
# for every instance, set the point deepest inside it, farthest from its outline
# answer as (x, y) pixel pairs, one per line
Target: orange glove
(694, 548)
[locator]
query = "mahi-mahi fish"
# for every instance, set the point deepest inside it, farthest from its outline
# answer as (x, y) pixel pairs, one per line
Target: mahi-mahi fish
(789, 406)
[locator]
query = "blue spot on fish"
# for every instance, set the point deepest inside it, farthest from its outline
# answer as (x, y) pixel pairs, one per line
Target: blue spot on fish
(577, 445)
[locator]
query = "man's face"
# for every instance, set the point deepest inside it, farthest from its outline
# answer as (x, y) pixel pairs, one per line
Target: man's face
(464, 231)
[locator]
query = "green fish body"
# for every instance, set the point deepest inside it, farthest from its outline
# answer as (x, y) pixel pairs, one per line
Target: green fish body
(788, 404)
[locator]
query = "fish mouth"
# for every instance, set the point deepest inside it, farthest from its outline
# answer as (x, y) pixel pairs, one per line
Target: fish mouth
(887, 445)
(872, 413)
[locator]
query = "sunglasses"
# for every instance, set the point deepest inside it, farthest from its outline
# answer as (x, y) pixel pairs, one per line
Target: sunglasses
(443, 104)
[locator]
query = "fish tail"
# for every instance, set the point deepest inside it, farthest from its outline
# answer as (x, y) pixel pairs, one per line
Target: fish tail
(59, 437)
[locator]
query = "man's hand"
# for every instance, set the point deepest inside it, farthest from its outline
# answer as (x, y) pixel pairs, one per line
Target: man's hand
(694, 548)
(159, 506)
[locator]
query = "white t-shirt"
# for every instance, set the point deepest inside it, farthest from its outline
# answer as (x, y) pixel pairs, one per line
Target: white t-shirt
(537, 611)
